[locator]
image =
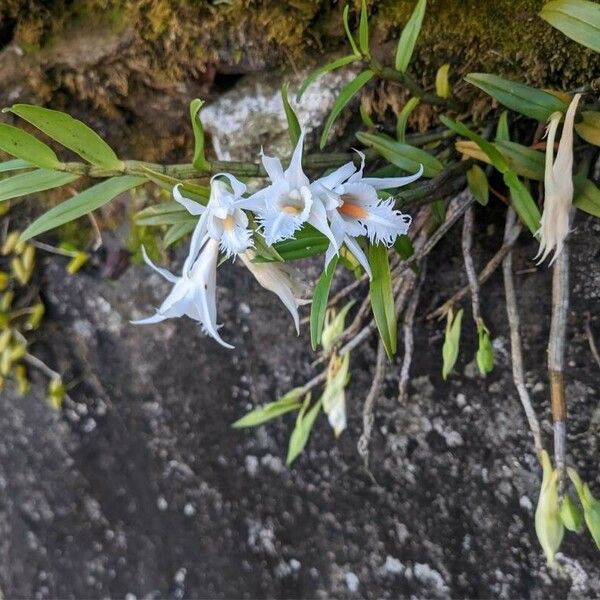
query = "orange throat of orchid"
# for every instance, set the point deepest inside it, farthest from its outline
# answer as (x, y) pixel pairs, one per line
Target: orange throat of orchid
(348, 208)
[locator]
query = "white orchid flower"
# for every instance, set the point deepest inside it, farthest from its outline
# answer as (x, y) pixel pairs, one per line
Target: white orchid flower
(290, 201)
(193, 294)
(222, 219)
(354, 209)
(558, 185)
(279, 279)
(222, 225)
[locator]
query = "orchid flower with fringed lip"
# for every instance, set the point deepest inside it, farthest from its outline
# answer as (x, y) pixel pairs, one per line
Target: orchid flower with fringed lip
(290, 201)
(222, 225)
(558, 185)
(354, 209)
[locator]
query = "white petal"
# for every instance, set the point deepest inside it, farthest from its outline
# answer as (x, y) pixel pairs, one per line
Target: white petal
(384, 223)
(237, 238)
(294, 173)
(164, 272)
(193, 207)
(318, 219)
(272, 166)
(337, 177)
(386, 183)
(359, 193)
(339, 233)
(358, 175)
(278, 226)
(157, 318)
(237, 186)
(199, 237)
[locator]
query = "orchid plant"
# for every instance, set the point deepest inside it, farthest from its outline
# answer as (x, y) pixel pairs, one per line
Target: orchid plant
(324, 204)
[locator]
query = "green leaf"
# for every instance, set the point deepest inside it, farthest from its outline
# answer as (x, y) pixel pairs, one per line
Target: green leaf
(332, 66)
(177, 232)
(262, 414)
(478, 184)
(403, 118)
(304, 424)
(451, 342)
(570, 515)
(319, 303)
(408, 38)
(308, 242)
(348, 32)
(438, 211)
(589, 127)
(199, 161)
(502, 132)
(495, 156)
(382, 297)
(528, 101)
(404, 246)
(14, 165)
(408, 158)
(577, 19)
(290, 115)
(71, 133)
(23, 145)
(79, 205)
(365, 117)
(525, 161)
(363, 29)
(345, 95)
(32, 182)
(587, 195)
(523, 203)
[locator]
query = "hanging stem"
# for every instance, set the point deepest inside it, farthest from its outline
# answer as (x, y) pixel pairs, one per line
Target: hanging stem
(556, 357)
(516, 350)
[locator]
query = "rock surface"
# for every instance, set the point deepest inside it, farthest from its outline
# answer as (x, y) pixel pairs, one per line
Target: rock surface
(140, 488)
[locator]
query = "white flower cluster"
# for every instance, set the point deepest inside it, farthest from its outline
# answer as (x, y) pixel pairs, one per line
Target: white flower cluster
(342, 206)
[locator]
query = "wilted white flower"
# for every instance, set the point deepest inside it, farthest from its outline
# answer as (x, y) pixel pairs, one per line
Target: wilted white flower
(558, 185)
(334, 395)
(193, 294)
(279, 279)
(284, 206)
(354, 209)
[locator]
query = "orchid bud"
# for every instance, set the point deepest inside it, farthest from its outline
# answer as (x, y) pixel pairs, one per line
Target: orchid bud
(20, 272)
(77, 262)
(18, 351)
(334, 397)
(5, 363)
(23, 384)
(548, 525)
(591, 506)
(334, 326)
(4, 279)
(485, 352)
(6, 300)
(5, 338)
(28, 258)
(35, 318)
(56, 393)
(570, 515)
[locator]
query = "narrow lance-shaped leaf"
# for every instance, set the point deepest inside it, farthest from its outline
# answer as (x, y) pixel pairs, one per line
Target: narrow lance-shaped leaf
(502, 132)
(332, 66)
(521, 98)
(79, 205)
(345, 95)
(23, 145)
(577, 19)
(525, 161)
(290, 115)
(262, 414)
(403, 118)
(71, 133)
(349, 35)
(32, 182)
(177, 232)
(301, 432)
(319, 303)
(523, 203)
(382, 297)
(589, 127)
(363, 29)
(587, 195)
(408, 38)
(14, 165)
(199, 161)
(408, 158)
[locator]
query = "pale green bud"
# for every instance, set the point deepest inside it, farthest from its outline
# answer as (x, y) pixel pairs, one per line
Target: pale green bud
(485, 352)
(570, 515)
(548, 524)
(591, 506)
